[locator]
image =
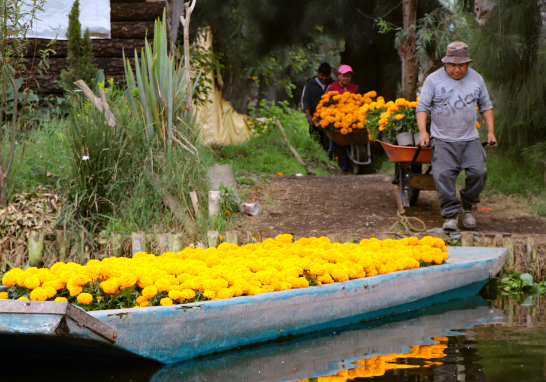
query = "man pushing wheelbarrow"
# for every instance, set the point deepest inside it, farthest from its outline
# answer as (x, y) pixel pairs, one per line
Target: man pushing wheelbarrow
(451, 95)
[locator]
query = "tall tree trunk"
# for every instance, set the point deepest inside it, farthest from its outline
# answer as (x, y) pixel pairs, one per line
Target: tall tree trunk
(406, 51)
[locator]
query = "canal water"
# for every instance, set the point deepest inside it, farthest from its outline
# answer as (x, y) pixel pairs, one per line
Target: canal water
(479, 338)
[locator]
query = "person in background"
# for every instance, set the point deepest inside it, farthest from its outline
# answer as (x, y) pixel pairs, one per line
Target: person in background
(452, 95)
(312, 91)
(344, 81)
(343, 84)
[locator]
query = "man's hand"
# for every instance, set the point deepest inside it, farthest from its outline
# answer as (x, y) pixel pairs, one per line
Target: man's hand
(491, 140)
(422, 123)
(424, 139)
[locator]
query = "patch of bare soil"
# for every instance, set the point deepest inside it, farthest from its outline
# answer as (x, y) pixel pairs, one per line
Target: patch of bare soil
(361, 207)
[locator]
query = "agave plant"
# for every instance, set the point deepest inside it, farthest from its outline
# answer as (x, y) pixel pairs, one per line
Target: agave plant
(157, 94)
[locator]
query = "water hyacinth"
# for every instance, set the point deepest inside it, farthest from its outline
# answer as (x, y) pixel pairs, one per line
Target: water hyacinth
(198, 274)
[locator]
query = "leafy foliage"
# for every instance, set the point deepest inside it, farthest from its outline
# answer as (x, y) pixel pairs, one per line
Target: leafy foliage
(523, 286)
(512, 59)
(160, 86)
(80, 52)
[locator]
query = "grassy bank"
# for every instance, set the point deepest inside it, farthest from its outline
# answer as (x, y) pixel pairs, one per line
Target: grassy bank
(267, 153)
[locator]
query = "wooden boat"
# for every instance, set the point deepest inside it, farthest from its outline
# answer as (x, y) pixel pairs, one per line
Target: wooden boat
(176, 333)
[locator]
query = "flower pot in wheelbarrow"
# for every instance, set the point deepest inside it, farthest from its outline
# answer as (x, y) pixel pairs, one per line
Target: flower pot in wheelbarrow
(358, 136)
(404, 139)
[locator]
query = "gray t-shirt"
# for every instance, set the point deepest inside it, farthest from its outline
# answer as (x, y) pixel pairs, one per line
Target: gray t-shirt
(452, 104)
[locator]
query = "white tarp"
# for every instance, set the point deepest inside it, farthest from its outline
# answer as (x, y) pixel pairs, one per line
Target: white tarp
(52, 22)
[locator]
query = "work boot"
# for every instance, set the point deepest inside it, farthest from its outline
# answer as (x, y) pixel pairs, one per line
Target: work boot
(469, 222)
(450, 223)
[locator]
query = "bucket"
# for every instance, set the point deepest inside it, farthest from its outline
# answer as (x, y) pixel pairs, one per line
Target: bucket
(404, 139)
(252, 209)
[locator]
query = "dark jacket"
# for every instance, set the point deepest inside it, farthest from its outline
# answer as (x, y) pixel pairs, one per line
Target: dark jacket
(312, 93)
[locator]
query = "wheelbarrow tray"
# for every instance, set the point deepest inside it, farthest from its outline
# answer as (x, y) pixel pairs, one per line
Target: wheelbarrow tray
(402, 154)
(358, 136)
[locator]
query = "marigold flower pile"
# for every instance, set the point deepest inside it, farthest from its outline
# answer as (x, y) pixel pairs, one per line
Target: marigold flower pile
(340, 112)
(378, 366)
(198, 274)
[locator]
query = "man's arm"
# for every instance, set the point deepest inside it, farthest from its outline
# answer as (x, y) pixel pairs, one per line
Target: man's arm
(309, 116)
(422, 123)
(306, 104)
(489, 119)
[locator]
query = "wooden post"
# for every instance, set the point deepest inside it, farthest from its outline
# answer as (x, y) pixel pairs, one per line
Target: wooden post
(176, 242)
(82, 252)
(507, 243)
(35, 248)
(254, 237)
(532, 247)
(195, 202)
(186, 24)
(467, 239)
(138, 242)
(490, 240)
(162, 243)
(334, 238)
(213, 237)
(63, 244)
(232, 237)
(389, 235)
(214, 203)
(117, 243)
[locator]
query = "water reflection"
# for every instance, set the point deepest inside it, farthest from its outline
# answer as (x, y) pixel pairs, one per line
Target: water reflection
(327, 353)
(494, 341)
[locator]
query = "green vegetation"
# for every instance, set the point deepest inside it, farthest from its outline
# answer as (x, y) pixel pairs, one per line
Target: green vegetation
(267, 153)
(80, 52)
(523, 286)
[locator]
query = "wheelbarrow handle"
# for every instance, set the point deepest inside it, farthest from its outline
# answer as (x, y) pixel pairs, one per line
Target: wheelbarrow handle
(415, 156)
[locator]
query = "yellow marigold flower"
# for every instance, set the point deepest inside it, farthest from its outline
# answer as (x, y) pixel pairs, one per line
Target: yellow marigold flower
(85, 298)
(32, 282)
(166, 301)
(163, 285)
(477, 125)
(149, 292)
(74, 291)
(4, 295)
(110, 286)
(279, 174)
(128, 280)
(140, 299)
(38, 294)
(23, 298)
(187, 294)
(209, 294)
(61, 299)
(144, 304)
(399, 116)
(9, 279)
(144, 282)
(50, 291)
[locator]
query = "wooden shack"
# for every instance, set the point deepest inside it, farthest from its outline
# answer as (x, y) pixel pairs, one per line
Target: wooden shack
(130, 21)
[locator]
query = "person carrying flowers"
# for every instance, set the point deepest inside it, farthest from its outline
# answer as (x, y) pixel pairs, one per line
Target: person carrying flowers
(451, 95)
(343, 84)
(313, 90)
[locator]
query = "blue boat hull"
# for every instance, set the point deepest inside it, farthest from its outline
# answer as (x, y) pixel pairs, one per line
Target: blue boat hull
(177, 333)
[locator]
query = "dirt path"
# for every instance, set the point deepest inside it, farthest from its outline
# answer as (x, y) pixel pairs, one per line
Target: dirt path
(361, 207)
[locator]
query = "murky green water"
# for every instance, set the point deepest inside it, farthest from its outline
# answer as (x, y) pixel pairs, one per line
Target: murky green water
(465, 340)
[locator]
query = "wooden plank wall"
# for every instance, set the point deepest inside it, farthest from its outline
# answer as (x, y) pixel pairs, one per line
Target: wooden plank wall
(130, 21)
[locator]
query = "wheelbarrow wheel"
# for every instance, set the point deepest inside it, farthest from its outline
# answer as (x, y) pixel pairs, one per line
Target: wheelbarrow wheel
(408, 194)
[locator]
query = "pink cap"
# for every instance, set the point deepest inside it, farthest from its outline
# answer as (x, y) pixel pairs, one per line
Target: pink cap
(344, 69)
